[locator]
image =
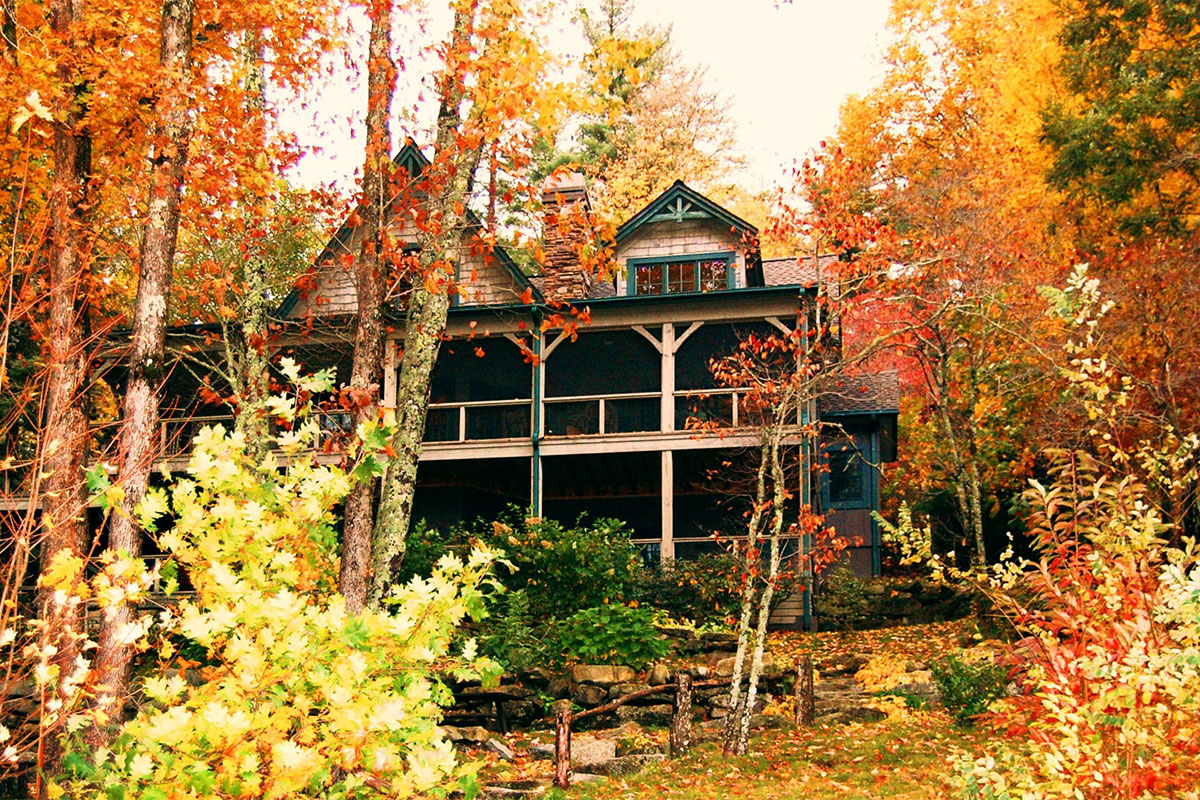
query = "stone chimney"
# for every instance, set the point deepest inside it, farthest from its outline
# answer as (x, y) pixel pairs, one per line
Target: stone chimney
(565, 209)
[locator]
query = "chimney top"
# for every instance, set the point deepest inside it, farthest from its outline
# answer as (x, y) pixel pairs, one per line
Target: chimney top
(567, 187)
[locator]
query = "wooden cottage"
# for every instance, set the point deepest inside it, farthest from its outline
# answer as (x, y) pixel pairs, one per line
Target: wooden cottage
(593, 422)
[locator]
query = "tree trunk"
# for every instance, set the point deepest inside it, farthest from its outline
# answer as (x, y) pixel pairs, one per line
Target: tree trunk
(370, 285)
(423, 337)
(250, 367)
(748, 592)
(64, 440)
(139, 429)
(425, 324)
(779, 497)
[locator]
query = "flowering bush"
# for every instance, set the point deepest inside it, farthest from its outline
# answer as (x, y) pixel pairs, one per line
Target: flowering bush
(301, 697)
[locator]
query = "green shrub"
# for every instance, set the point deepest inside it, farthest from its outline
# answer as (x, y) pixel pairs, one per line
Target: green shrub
(611, 634)
(968, 688)
(561, 569)
(509, 637)
(704, 590)
(842, 600)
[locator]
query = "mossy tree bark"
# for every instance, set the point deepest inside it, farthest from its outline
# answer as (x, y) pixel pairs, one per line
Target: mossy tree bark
(454, 164)
(139, 427)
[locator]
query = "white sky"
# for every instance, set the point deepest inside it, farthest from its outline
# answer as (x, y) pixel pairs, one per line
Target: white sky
(785, 68)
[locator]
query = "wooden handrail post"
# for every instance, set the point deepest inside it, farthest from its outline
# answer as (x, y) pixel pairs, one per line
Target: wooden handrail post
(562, 749)
(681, 720)
(804, 699)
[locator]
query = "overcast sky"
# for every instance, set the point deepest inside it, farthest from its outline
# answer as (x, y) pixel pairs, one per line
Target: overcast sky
(785, 68)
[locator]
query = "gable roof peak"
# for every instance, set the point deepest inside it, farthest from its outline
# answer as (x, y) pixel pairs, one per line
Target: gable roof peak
(679, 202)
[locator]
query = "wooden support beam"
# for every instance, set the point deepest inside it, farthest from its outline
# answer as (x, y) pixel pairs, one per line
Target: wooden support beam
(389, 373)
(667, 542)
(649, 337)
(681, 338)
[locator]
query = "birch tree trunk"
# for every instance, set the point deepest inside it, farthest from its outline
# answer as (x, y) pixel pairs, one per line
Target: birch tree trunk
(63, 444)
(748, 592)
(139, 428)
(779, 497)
(370, 286)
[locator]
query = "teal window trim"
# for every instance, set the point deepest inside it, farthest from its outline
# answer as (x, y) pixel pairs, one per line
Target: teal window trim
(728, 257)
(865, 469)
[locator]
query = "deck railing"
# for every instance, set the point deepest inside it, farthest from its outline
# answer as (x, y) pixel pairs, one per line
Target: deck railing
(719, 407)
(477, 420)
(584, 415)
(483, 420)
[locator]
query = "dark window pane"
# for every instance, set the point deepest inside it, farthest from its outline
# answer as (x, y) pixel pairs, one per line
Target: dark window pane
(603, 362)
(649, 279)
(714, 409)
(441, 425)
(846, 474)
(573, 418)
(480, 370)
(713, 340)
(633, 415)
(681, 277)
(497, 422)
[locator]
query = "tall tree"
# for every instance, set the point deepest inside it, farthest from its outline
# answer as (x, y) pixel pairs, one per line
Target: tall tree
(370, 280)
(950, 157)
(139, 427)
(64, 435)
(1125, 139)
(493, 91)
(1127, 134)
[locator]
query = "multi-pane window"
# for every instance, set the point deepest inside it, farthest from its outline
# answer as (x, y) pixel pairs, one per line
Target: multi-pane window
(847, 477)
(679, 277)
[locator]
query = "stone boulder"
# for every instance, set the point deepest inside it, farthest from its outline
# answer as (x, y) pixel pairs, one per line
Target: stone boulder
(627, 765)
(588, 752)
(602, 674)
(500, 747)
(619, 690)
(646, 715)
(472, 734)
(589, 695)
(660, 674)
(724, 667)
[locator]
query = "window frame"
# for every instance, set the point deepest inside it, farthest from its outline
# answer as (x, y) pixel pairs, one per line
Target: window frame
(862, 454)
(631, 267)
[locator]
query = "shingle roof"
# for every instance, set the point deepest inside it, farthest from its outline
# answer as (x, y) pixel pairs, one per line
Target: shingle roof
(876, 393)
(797, 270)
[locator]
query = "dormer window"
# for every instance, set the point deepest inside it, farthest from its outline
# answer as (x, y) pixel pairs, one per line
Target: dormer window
(711, 272)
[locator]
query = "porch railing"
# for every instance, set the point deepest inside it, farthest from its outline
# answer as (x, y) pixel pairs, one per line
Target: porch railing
(584, 415)
(478, 420)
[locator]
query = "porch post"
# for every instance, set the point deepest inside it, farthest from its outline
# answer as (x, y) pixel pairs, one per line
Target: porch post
(667, 546)
(667, 406)
(389, 373)
(535, 429)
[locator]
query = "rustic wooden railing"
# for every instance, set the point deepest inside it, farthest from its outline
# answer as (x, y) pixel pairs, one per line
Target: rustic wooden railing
(681, 714)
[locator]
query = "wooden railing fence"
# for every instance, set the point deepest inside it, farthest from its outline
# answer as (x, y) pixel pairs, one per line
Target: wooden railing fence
(681, 715)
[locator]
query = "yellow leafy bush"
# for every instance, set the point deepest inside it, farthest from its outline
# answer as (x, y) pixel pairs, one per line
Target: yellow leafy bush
(300, 698)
